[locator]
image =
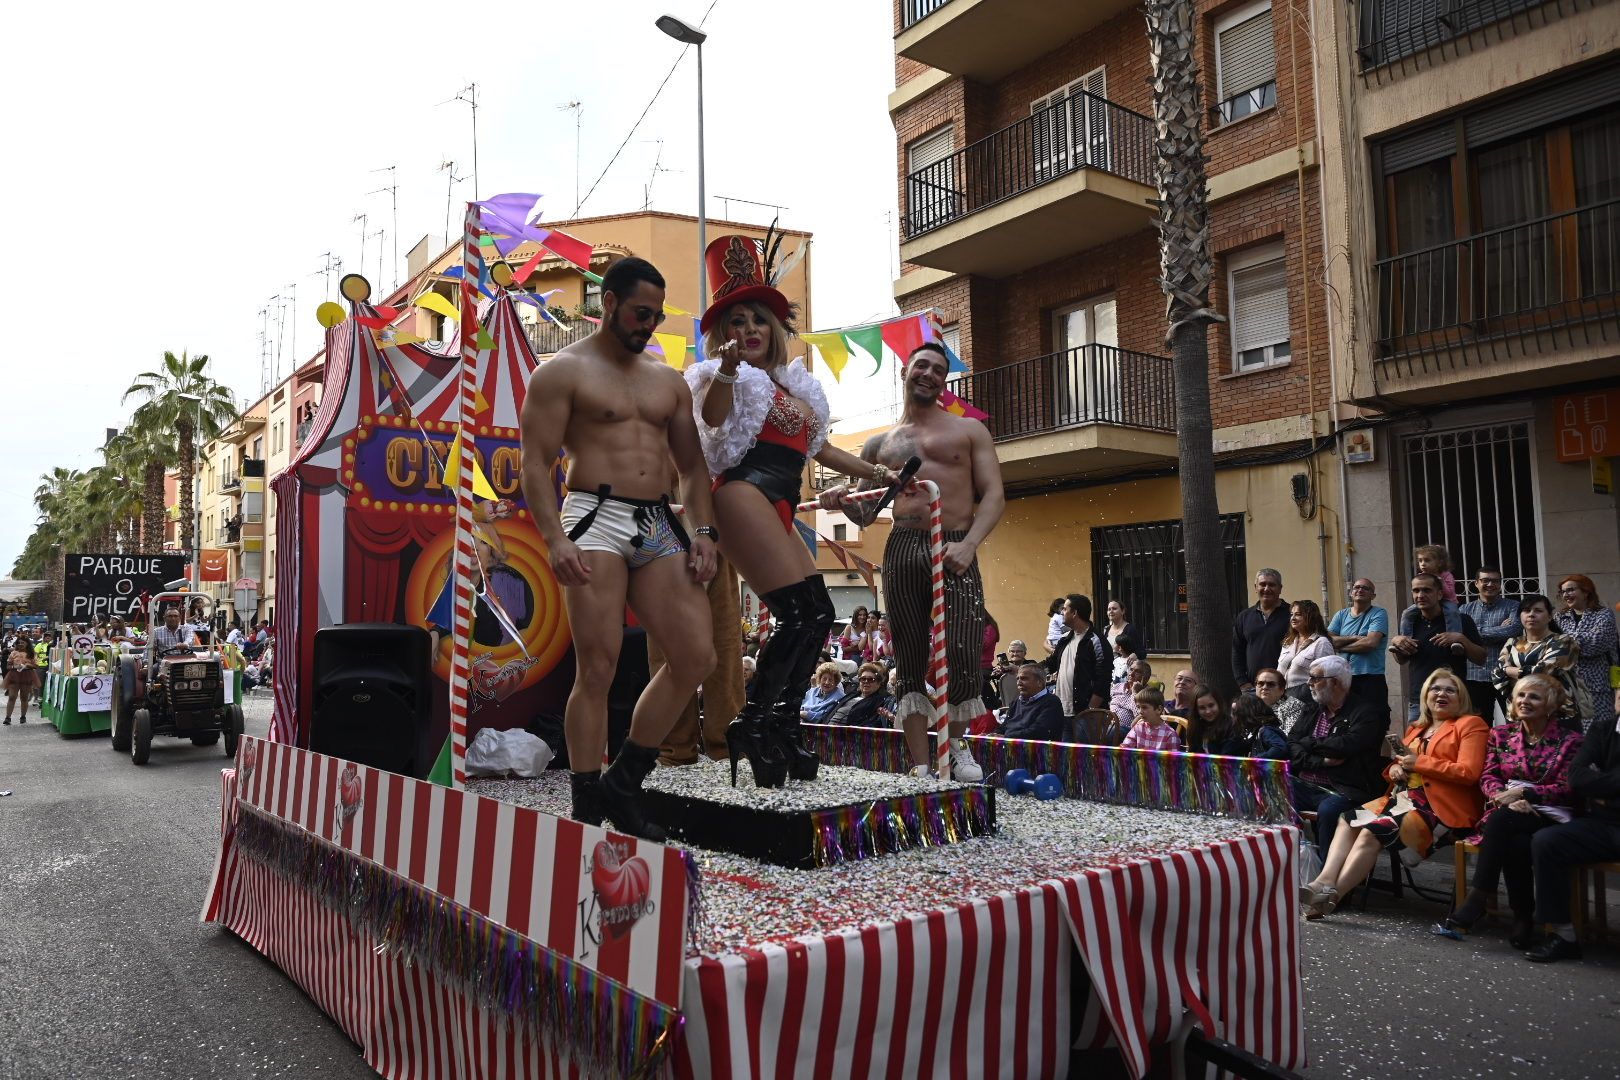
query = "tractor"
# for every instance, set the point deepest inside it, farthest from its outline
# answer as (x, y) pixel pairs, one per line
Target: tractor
(177, 690)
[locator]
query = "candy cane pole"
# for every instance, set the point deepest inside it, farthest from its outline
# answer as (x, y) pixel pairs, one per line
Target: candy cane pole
(938, 669)
(461, 565)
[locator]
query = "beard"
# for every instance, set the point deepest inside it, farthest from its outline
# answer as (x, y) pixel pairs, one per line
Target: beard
(1322, 695)
(634, 340)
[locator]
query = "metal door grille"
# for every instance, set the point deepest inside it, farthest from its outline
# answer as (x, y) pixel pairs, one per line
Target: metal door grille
(1473, 491)
(1144, 565)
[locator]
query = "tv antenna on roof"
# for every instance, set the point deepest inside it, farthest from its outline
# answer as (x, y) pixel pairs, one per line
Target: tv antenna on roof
(578, 109)
(451, 180)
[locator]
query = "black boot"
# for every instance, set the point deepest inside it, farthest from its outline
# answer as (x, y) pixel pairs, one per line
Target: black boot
(748, 735)
(802, 763)
(620, 791)
(587, 790)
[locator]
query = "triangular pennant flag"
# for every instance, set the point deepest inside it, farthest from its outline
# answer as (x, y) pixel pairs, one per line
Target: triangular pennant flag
(481, 484)
(434, 302)
(405, 337)
(869, 338)
(572, 248)
(452, 472)
(807, 534)
(960, 407)
(838, 552)
(530, 266)
(376, 322)
(834, 352)
(671, 309)
(903, 335)
(673, 348)
(483, 340)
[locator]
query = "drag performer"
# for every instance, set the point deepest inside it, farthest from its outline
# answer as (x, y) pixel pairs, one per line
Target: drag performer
(761, 416)
(959, 456)
(621, 417)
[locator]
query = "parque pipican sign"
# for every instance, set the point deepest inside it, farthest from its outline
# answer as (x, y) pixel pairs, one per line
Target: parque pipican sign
(114, 584)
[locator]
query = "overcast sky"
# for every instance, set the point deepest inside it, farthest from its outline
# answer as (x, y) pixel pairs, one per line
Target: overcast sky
(174, 166)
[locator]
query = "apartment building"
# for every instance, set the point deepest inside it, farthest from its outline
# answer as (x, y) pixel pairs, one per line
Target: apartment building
(1025, 158)
(230, 509)
(1472, 198)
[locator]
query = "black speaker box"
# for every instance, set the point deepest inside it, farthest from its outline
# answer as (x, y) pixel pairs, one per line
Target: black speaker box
(371, 696)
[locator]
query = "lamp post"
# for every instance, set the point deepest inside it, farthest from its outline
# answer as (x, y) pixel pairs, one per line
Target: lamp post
(691, 35)
(196, 494)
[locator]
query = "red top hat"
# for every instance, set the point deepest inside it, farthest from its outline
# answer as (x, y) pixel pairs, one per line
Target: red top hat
(736, 277)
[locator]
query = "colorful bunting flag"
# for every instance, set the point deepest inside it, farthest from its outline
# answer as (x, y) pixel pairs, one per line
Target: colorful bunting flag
(452, 472)
(432, 301)
(672, 347)
(960, 407)
(807, 534)
(869, 338)
(833, 349)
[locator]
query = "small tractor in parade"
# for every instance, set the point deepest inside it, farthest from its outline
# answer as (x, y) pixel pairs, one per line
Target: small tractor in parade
(176, 690)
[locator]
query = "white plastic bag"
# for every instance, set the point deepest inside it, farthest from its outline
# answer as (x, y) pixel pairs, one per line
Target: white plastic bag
(507, 753)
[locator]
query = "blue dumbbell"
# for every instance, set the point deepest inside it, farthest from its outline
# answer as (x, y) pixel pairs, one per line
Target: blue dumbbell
(1044, 787)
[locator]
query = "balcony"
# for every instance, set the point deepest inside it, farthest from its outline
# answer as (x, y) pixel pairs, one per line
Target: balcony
(1067, 178)
(546, 338)
(1083, 410)
(1390, 31)
(230, 484)
(984, 40)
(1509, 310)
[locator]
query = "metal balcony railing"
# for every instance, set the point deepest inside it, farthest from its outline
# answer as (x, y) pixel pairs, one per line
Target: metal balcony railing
(1082, 131)
(1391, 30)
(1548, 274)
(1094, 384)
(546, 337)
(913, 12)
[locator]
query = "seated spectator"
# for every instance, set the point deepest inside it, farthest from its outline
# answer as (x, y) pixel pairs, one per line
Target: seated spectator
(1259, 724)
(823, 696)
(854, 642)
(748, 665)
(988, 659)
(1306, 642)
(1271, 688)
(1005, 673)
(1037, 714)
(1526, 771)
(1540, 650)
(1592, 626)
(1211, 729)
(1181, 700)
(1123, 699)
(1150, 732)
(864, 709)
(883, 642)
(1594, 777)
(1434, 791)
(1333, 749)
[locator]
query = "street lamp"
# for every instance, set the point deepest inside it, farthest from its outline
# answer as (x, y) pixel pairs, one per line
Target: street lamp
(691, 35)
(196, 494)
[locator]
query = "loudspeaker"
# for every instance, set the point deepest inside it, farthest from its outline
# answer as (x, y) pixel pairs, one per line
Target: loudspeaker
(371, 696)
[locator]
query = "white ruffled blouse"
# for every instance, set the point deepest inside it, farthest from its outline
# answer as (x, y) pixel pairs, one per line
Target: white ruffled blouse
(751, 398)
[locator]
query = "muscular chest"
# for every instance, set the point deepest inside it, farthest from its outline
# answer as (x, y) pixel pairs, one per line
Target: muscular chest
(637, 398)
(942, 453)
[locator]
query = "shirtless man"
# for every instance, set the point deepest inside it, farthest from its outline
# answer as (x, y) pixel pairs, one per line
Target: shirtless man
(958, 455)
(621, 417)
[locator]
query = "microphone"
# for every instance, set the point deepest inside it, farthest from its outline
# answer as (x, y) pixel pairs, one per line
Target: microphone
(910, 470)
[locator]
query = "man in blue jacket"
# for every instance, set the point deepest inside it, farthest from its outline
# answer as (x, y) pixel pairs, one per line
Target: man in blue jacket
(1037, 714)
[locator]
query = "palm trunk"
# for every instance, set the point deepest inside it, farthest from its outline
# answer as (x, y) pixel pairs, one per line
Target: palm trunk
(188, 468)
(152, 508)
(1185, 272)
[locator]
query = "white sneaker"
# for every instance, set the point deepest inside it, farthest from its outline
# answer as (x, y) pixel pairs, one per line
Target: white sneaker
(963, 768)
(921, 772)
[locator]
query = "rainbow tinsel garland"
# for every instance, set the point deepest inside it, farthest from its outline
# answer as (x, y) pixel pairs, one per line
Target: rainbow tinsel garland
(1252, 788)
(619, 1031)
(848, 833)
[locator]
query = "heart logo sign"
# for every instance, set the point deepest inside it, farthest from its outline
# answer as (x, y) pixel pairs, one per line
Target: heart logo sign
(621, 888)
(349, 792)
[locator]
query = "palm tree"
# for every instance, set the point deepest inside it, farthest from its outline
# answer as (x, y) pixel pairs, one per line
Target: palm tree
(146, 450)
(1185, 272)
(183, 399)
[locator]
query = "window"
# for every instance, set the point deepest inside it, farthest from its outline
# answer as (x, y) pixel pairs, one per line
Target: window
(931, 196)
(1466, 490)
(1144, 567)
(951, 337)
(1257, 304)
(593, 298)
(258, 447)
(1087, 378)
(1071, 126)
(1245, 62)
(840, 532)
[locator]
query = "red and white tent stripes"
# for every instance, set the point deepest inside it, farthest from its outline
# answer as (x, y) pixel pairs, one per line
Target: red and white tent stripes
(982, 990)
(516, 866)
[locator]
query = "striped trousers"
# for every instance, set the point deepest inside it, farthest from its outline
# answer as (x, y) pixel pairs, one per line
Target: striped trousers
(908, 598)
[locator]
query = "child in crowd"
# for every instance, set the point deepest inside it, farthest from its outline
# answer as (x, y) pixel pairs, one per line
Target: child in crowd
(1434, 559)
(1122, 700)
(1150, 732)
(1124, 656)
(1211, 729)
(1259, 724)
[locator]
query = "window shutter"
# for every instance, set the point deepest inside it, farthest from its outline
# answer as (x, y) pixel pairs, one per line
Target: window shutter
(930, 149)
(1260, 305)
(1247, 56)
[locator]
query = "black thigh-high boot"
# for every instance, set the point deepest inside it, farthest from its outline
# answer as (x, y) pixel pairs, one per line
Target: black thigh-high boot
(802, 763)
(748, 736)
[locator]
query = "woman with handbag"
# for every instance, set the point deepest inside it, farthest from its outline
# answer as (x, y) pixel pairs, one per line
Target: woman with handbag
(1526, 788)
(1540, 650)
(1434, 789)
(1591, 624)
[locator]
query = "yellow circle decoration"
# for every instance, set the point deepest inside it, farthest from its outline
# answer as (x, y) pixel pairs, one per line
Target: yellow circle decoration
(501, 274)
(354, 287)
(329, 314)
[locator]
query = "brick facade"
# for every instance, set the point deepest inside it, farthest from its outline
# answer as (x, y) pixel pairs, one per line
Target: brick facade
(1009, 320)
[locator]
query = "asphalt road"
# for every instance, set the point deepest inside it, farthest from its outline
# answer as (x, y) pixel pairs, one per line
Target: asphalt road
(105, 972)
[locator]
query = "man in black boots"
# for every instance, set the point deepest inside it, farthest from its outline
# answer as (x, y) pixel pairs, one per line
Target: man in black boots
(621, 417)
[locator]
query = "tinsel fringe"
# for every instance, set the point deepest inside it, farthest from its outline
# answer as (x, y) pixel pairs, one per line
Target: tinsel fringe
(620, 1032)
(1252, 788)
(847, 834)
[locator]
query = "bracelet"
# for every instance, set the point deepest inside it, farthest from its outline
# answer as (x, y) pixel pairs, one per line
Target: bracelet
(881, 474)
(721, 377)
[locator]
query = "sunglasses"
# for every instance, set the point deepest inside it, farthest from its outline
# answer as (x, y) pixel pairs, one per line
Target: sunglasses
(867, 678)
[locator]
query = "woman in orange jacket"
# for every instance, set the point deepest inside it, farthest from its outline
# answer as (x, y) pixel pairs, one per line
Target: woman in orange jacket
(1434, 777)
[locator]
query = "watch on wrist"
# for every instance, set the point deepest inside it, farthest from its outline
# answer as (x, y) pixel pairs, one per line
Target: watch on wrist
(707, 530)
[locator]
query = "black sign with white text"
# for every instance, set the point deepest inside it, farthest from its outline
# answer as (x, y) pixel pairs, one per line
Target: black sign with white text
(114, 584)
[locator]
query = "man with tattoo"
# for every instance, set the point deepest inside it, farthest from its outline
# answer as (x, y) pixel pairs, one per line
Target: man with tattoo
(959, 456)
